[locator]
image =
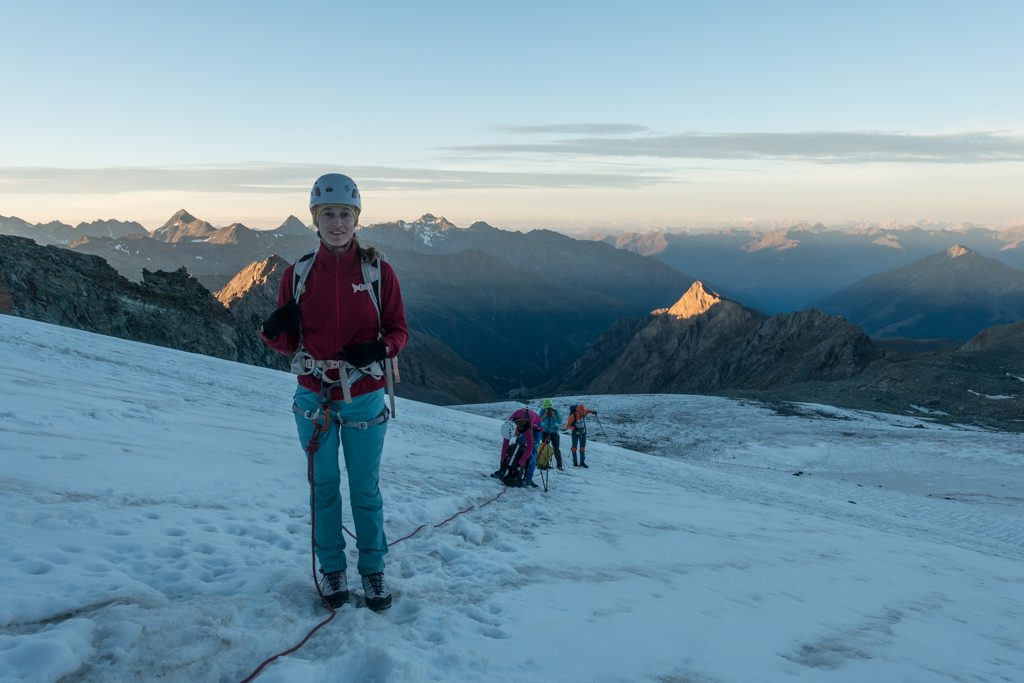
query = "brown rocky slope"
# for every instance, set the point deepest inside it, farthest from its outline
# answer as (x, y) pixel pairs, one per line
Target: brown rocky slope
(707, 343)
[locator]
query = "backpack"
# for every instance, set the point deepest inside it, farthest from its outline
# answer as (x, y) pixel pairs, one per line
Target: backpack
(514, 478)
(570, 421)
(544, 454)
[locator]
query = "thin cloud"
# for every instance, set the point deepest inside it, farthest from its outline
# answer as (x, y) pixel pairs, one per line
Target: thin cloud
(290, 178)
(576, 128)
(822, 147)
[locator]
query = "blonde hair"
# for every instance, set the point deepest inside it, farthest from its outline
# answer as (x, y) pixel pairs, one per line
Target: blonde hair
(368, 254)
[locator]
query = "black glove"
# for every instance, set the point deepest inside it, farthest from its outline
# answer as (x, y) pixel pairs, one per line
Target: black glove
(593, 412)
(284, 319)
(361, 355)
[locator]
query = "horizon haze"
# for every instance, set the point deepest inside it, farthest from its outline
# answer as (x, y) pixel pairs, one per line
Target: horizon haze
(574, 116)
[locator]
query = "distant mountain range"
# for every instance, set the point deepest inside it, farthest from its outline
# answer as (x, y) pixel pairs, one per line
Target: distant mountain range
(954, 294)
(513, 306)
(56, 232)
(639, 283)
(494, 311)
(793, 268)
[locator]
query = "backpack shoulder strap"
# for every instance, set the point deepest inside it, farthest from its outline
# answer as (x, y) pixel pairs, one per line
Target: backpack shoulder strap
(300, 272)
(372, 277)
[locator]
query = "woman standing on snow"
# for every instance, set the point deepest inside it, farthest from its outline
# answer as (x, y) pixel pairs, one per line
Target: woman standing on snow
(348, 322)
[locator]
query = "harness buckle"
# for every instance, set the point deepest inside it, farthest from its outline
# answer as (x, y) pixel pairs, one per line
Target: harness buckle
(321, 417)
(298, 364)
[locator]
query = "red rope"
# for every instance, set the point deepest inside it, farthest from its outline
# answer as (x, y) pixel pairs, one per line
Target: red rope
(311, 448)
(421, 527)
(326, 621)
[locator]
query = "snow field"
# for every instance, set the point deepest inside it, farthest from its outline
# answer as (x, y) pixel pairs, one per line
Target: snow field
(155, 524)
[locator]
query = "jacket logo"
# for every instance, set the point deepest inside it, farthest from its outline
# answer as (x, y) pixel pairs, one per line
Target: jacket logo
(365, 287)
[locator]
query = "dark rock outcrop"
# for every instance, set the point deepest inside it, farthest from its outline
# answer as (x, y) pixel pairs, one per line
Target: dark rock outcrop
(799, 347)
(980, 382)
(75, 290)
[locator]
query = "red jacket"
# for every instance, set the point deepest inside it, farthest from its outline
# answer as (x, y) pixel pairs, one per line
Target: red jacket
(336, 314)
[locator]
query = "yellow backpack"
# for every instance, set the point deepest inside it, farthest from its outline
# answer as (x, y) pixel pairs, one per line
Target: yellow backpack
(544, 454)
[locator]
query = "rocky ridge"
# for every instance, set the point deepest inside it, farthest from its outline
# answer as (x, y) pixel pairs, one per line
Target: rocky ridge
(707, 343)
(169, 309)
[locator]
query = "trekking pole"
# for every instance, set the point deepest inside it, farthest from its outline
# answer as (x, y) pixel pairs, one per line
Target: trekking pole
(603, 435)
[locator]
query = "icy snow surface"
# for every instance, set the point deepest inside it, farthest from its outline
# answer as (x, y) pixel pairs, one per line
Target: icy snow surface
(154, 526)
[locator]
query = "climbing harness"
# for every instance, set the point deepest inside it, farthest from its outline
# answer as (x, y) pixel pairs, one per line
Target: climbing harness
(303, 363)
(324, 415)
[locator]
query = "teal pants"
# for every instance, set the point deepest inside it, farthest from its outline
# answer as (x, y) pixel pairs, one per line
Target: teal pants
(362, 450)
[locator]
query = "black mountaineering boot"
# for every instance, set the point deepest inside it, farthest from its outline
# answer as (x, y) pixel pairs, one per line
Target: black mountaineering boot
(378, 595)
(334, 586)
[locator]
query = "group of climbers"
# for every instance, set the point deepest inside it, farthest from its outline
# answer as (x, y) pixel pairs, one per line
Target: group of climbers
(526, 432)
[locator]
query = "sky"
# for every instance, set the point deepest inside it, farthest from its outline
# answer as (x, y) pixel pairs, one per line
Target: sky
(568, 115)
(166, 535)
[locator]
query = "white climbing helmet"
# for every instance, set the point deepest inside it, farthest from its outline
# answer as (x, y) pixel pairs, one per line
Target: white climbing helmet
(334, 188)
(508, 430)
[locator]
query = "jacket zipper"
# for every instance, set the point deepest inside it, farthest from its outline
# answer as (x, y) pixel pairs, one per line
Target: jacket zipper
(337, 299)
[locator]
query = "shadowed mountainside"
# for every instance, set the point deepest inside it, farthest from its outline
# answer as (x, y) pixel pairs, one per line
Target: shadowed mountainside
(954, 294)
(430, 371)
